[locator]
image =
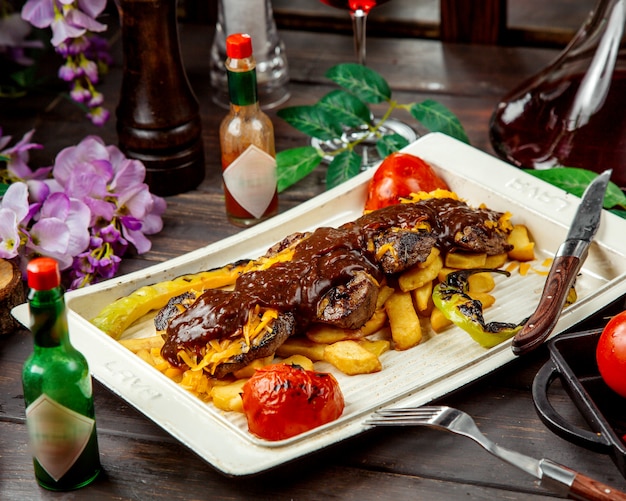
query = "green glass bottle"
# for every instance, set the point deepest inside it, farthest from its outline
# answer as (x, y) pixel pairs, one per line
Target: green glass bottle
(57, 389)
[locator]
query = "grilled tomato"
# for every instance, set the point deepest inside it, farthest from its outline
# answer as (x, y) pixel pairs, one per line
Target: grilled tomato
(282, 400)
(399, 175)
(611, 354)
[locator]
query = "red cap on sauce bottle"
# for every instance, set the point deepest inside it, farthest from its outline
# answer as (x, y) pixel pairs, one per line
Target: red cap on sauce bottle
(238, 46)
(43, 274)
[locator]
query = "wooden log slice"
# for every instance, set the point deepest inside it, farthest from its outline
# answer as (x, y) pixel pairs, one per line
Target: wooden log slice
(11, 294)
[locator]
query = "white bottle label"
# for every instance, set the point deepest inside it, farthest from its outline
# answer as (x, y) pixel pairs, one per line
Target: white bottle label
(251, 180)
(58, 435)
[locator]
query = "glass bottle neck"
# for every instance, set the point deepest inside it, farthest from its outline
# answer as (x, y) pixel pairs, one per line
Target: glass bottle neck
(242, 84)
(48, 318)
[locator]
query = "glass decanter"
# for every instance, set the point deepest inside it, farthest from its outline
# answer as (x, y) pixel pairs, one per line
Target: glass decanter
(572, 112)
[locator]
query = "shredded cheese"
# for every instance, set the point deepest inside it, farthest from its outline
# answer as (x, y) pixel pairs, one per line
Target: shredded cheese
(218, 351)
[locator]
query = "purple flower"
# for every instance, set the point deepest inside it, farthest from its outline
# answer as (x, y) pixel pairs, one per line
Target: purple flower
(9, 234)
(70, 22)
(95, 205)
(17, 167)
(13, 212)
(73, 23)
(79, 93)
(99, 115)
(69, 71)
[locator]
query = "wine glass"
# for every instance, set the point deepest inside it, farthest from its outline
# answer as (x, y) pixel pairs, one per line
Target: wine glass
(359, 10)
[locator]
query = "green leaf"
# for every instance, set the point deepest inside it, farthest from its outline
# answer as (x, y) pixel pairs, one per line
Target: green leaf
(574, 180)
(387, 144)
(313, 120)
(363, 82)
(3, 189)
(295, 164)
(620, 213)
(344, 166)
(437, 118)
(346, 108)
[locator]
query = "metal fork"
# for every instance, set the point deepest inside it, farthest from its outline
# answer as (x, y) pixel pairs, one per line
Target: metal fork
(558, 478)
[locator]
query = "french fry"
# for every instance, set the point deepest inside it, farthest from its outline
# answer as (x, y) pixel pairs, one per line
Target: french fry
(443, 273)
(422, 298)
(496, 261)
(406, 330)
(376, 346)
(145, 355)
(302, 346)
(481, 282)
(227, 397)
(328, 334)
(351, 358)
(465, 260)
(523, 247)
(485, 299)
(250, 369)
(384, 292)
(142, 343)
(304, 362)
(418, 276)
(434, 252)
(438, 321)
(376, 322)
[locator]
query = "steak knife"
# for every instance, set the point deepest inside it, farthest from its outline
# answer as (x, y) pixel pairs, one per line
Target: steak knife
(567, 263)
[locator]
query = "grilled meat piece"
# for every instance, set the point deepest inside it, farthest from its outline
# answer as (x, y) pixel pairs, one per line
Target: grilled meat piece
(283, 327)
(455, 225)
(476, 239)
(287, 242)
(350, 305)
(223, 315)
(402, 249)
(332, 275)
(172, 308)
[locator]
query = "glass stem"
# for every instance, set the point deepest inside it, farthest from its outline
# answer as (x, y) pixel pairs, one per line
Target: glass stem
(359, 18)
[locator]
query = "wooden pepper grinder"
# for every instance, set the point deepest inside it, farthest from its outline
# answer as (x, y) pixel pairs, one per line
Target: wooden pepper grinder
(158, 120)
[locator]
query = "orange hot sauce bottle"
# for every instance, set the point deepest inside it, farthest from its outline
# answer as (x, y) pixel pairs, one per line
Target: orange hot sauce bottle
(246, 141)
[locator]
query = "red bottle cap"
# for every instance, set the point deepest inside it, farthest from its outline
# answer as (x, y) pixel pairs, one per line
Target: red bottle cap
(238, 46)
(43, 274)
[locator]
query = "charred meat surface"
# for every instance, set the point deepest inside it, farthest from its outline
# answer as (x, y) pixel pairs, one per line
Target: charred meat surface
(283, 327)
(172, 308)
(334, 274)
(350, 305)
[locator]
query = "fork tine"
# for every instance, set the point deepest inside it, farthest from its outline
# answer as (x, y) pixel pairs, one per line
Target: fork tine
(406, 416)
(413, 411)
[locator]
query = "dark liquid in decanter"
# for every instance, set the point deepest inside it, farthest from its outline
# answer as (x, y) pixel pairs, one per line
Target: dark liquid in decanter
(530, 131)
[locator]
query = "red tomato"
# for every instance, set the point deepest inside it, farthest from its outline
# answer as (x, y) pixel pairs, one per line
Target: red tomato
(283, 400)
(399, 175)
(611, 354)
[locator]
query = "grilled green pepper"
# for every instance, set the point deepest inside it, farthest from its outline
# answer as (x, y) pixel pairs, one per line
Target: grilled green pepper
(452, 299)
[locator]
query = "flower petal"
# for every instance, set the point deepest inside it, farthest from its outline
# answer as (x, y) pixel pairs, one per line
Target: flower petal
(16, 199)
(9, 235)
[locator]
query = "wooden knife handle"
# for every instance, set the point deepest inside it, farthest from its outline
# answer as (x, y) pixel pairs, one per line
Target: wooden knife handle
(587, 488)
(541, 323)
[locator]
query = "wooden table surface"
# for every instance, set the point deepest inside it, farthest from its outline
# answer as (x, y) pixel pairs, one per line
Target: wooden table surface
(141, 461)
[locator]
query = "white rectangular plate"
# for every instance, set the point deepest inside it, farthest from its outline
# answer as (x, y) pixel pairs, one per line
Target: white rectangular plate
(439, 365)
